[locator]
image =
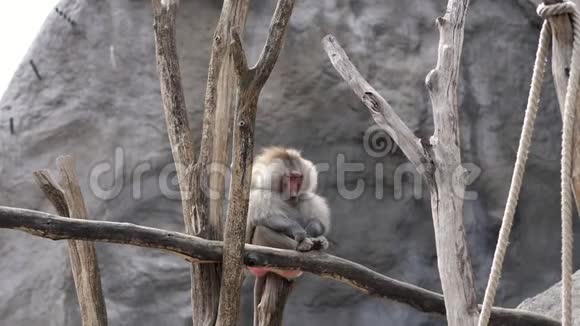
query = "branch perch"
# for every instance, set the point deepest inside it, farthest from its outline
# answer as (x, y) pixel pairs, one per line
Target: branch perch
(198, 250)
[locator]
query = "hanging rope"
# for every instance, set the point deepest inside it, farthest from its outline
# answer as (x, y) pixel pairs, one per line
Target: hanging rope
(566, 167)
(544, 11)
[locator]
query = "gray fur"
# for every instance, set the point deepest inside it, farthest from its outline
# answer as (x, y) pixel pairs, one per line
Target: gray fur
(310, 215)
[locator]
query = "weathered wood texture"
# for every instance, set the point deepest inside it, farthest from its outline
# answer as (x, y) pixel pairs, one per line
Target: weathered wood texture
(221, 95)
(448, 191)
(439, 161)
(381, 111)
(227, 92)
(68, 201)
(209, 175)
(200, 250)
(193, 177)
(176, 116)
(204, 279)
(271, 308)
(251, 82)
(562, 38)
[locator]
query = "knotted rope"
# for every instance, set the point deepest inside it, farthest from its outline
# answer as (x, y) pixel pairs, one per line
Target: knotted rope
(544, 11)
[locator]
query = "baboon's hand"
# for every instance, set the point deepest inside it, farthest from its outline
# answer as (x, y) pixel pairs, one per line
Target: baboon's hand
(305, 245)
(319, 243)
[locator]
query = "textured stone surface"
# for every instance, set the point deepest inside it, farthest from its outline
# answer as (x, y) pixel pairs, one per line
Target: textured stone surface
(99, 99)
(549, 301)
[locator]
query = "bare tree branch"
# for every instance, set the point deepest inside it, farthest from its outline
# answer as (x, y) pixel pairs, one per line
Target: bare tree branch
(68, 201)
(202, 217)
(228, 90)
(219, 104)
(52, 191)
(200, 250)
(447, 192)
(176, 116)
(204, 279)
(250, 86)
(380, 110)
(238, 54)
(439, 163)
(273, 46)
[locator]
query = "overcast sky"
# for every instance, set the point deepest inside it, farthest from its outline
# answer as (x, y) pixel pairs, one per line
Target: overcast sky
(20, 21)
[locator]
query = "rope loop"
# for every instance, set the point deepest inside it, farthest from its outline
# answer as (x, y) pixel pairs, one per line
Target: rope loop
(572, 90)
(546, 11)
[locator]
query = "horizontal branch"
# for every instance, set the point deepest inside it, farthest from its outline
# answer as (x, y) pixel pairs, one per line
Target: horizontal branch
(199, 250)
(380, 109)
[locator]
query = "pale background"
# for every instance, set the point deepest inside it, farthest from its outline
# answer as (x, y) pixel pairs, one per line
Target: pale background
(20, 21)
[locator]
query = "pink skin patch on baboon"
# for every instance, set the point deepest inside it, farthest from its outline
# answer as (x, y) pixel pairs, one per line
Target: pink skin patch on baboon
(285, 273)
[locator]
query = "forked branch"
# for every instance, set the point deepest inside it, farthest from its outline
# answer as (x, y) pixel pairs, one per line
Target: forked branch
(439, 162)
(198, 250)
(250, 85)
(68, 201)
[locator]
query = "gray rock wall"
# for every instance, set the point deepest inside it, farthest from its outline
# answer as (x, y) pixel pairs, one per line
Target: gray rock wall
(99, 101)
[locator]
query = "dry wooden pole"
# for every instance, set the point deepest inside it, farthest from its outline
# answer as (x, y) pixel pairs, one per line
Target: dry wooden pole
(439, 162)
(200, 250)
(447, 193)
(219, 98)
(68, 201)
(204, 278)
(202, 218)
(562, 38)
(271, 308)
(251, 82)
(225, 105)
(221, 91)
(176, 117)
